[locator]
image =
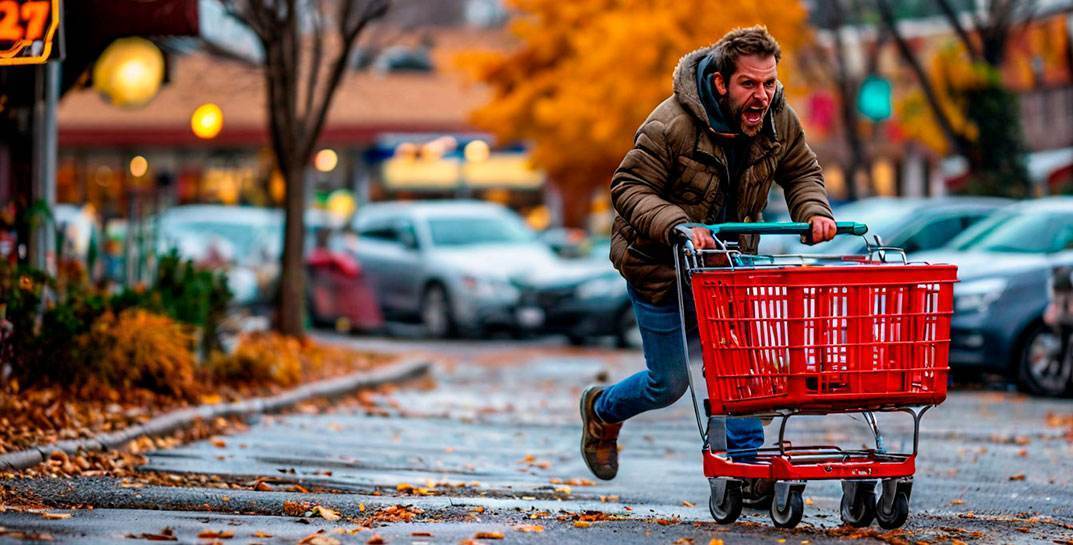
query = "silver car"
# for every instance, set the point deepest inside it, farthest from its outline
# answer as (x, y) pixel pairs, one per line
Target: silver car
(455, 265)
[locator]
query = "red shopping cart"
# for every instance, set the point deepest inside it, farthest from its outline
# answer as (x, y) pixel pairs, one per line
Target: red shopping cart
(814, 335)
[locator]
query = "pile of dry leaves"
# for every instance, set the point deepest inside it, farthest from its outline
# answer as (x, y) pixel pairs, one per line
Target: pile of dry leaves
(46, 413)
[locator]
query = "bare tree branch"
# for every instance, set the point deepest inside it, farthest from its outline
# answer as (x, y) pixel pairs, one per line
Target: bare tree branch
(317, 30)
(374, 9)
(957, 141)
(962, 34)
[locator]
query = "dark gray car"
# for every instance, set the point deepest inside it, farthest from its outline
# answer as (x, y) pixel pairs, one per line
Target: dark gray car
(1004, 265)
(913, 224)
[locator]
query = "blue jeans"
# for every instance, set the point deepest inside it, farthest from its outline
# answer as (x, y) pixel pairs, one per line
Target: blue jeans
(666, 380)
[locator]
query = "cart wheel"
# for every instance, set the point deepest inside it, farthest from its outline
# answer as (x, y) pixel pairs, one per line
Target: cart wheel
(898, 513)
(791, 514)
(859, 509)
(727, 510)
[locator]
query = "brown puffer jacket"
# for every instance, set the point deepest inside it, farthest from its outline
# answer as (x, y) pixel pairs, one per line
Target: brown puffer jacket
(677, 173)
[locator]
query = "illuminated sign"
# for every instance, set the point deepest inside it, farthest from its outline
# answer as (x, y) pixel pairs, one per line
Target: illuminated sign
(27, 28)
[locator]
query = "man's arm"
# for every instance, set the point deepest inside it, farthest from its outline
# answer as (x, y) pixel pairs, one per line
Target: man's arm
(801, 178)
(640, 181)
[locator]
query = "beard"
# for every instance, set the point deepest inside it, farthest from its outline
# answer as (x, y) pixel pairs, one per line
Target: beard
(736, 116)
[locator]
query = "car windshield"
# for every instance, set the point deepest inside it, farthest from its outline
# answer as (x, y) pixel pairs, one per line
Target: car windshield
(474, 230)
(246, 240)
(1029, 233)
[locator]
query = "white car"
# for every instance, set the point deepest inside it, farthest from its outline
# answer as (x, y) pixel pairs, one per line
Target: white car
(454, 265)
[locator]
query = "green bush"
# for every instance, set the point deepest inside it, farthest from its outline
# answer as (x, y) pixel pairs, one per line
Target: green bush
(40, 318)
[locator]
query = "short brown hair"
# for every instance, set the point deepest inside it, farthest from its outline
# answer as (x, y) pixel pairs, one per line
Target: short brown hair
(754, 40)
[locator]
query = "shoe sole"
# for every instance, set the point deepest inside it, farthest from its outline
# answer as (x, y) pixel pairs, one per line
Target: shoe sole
(585, 426)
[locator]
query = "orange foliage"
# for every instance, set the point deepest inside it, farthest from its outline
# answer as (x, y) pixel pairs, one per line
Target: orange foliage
(586, 74)
(952, 74)
(267, 356)
(139, 349)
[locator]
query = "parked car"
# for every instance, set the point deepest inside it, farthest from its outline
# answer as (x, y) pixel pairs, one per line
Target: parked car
(247, 243)
(1004, 266)
(584, 301)
(913, 224)
(453, 265)
(243, 241)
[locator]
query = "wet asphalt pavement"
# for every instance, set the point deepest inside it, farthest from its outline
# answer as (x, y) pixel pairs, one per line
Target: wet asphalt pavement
(493, 447)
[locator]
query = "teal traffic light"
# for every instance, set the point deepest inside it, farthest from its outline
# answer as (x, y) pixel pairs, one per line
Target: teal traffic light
(873, 100)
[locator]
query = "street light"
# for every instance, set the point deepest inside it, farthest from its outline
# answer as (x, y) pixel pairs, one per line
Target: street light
(476, 151)
(129, 72)
(207, 121)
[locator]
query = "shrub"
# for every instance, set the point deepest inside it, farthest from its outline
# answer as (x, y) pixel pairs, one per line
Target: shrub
(260, 357)
(137, 348)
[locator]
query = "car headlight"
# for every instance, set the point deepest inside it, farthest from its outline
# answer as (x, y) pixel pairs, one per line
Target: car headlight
(976, 296)
(601, 287)
(489, 288)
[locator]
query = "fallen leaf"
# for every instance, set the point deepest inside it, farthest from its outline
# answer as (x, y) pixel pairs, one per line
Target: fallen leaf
(582, 524)
(715, 541)
(404, 487)
(421, 534)
(263, 487)
(318, 538)
(299, 488)
(957, 501)
(55, 516)
(325, 513)
(1017, 477)
(683, 541)
(167, 534)
(529, 528)
(687, 503)
(488, 535)
(219, 443)
(216, 534)
(261, 534)
(809, 501)
(375, 540)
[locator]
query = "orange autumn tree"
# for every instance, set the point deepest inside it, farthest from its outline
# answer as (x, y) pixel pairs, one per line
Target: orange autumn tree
(585, 74)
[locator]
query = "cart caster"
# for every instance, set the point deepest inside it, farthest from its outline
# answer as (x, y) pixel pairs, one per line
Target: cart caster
(892, 509)
(787, 506)
(725, 501)
(858, 503)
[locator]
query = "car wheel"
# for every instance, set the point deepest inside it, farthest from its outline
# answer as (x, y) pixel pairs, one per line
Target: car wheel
(1039, 371)
(436, 312)
(627, 334)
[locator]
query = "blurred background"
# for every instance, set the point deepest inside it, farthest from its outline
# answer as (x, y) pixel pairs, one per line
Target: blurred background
(446, 162)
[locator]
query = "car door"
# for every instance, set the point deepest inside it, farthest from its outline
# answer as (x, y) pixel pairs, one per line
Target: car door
(403, 267)
(378, 251)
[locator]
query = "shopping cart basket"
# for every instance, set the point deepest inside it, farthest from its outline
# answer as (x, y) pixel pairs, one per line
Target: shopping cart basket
(793, 335)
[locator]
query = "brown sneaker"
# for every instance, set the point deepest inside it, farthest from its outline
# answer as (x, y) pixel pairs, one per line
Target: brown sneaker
(599, 446)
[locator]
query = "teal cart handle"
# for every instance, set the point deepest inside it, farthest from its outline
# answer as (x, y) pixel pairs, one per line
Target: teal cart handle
(782, 228)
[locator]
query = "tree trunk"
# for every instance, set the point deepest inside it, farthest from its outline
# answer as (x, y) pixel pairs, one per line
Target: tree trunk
(292, 278)
(577, 203)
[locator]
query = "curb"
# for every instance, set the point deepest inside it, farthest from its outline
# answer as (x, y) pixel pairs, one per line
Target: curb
(333, 387)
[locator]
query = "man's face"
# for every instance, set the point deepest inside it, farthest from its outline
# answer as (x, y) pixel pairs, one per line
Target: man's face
(748, 94)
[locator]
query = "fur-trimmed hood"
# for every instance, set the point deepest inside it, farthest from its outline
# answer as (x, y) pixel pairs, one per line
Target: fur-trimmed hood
(688, 95)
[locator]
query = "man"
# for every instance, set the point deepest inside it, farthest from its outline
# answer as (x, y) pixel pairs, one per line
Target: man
(707, 154)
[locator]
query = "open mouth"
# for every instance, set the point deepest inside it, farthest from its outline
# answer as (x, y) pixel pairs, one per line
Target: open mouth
(753, 115)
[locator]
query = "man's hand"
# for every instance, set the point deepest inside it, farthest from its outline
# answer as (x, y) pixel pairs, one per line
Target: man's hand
(700, 236)
(823, 229)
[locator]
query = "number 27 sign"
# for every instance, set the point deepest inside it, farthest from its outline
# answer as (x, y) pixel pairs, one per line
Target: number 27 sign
(27, 28)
